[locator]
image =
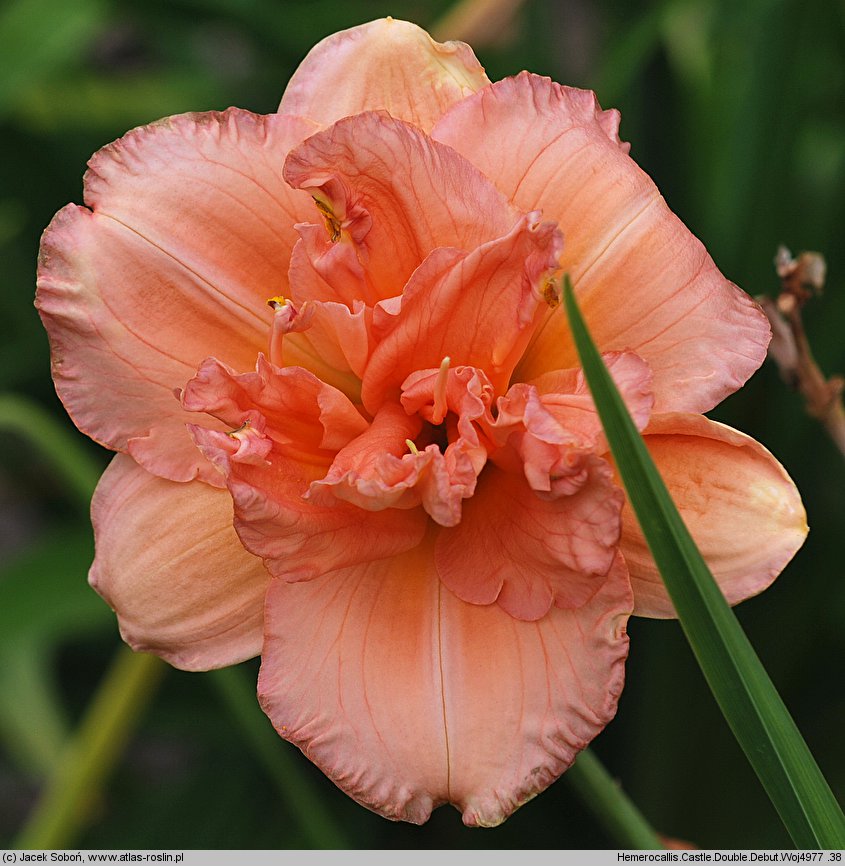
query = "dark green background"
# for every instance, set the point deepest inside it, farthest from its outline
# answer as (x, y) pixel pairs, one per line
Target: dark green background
(735, 109)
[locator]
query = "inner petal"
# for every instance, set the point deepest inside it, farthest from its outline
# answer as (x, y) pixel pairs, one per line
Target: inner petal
(528, 553)
(376, 470)
(479, 309)
(551, 426)
(386, 196)
(428, 449)
(304, 417)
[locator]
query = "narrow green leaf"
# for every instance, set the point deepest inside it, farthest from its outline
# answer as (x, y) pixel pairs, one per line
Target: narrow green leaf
(59, 445)
(44, 600)
(76, 784)
(740, 684)
(33, 726)
(277, 757)
(612, 807)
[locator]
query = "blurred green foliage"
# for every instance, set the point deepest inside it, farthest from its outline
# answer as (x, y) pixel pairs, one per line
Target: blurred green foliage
(738, 112)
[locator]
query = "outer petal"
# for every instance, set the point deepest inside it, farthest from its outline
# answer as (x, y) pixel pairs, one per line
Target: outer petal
(528, 553)
(390, 195)
(385, 64)
(408, 697)
(644, 282)
(170, 564)
(189, 232)
(741, 507)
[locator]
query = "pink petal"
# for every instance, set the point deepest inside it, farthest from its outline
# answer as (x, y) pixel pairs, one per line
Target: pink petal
(522, 699)
(289, 427)
(326, 338)
(385, 64)
(170, 564)
(408, 697)
(644, 282)
(479, 310)
(741, 507)
(388, 196)
(304, 416)
(527, 552)
(565, 394)
(190, 231)
(378, 471)
(458, 399)
(336, 345)
(553, 424)
(298, 539)
(550, 452)
(371, 471)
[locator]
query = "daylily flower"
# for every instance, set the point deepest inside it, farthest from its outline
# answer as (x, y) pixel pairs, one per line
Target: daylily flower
(339, 325)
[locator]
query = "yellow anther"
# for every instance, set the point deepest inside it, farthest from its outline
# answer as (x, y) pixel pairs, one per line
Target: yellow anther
(551, 294)
(233, 434)
(277, 301)
(332, 222)
(413, 448)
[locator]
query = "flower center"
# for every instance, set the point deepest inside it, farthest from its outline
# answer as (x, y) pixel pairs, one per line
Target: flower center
(438, 435)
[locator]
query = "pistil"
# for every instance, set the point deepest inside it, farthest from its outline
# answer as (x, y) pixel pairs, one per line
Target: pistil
(440, 406)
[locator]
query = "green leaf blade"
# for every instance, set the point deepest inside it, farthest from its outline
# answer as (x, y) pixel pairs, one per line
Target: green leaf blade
(745, 694)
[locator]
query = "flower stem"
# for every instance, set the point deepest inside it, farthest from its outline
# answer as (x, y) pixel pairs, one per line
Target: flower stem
(296, 789)
(615, 811)
(75, 786)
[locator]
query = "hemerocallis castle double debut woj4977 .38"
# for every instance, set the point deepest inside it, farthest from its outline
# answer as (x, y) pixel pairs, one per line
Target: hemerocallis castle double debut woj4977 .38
(351, 433)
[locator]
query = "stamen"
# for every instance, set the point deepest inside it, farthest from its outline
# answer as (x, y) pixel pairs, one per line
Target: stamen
(277, 331)
(413, 448)
(551, 294)
(332, 222)
(287, 319)
(440, 405)
(281, 325)
(253, 445)
(233, 434)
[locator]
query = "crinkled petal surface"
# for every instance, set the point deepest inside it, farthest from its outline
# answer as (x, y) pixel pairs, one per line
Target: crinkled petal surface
(528, 552)
(385, 64)
(739, 504)
(395, 196)
(297, 539)
(169, 563)
(306, 417)
(477, 309)
(643, 281)
(188, 231)
(408, 697)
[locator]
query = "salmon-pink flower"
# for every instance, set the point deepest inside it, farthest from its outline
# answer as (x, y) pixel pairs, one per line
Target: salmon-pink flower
(340, 323)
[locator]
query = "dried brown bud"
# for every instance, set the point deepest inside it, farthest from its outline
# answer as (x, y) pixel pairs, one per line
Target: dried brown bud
(807, 272)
